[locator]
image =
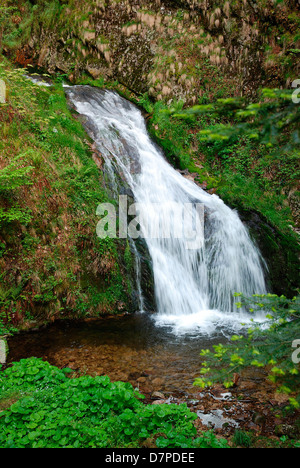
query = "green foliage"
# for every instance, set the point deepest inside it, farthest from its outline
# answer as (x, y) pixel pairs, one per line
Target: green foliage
(5, 12)
(165, 130)
(52, 410)
(265, 121)
(242, 439)
(12, 177)
(252, 150)
(268, 344)
(50, 13)
(8, 296)
(50, 187)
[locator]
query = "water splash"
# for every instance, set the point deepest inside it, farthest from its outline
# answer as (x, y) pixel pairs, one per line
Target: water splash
(193, 288)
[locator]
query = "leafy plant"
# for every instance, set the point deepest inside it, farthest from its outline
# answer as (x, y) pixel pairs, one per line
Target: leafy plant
(50, 187)
(242, 439)
(5, 13)
(55, 411)
(12, 177)
(268, 344)
(265, 121)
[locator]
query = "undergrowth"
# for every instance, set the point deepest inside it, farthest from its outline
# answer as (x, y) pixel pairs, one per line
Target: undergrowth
(53, 265)
(49, 408)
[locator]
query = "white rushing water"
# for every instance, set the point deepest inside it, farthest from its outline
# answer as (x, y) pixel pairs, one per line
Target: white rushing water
(194, 287)
(38, 80)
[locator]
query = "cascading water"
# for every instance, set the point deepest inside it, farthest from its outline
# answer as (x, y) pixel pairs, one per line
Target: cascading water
(194, 287)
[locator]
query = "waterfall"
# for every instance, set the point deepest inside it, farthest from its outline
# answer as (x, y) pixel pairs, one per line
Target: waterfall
(194, 287)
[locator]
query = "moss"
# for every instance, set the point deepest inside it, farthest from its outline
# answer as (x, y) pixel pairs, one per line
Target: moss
(280, 250)
(61, 266)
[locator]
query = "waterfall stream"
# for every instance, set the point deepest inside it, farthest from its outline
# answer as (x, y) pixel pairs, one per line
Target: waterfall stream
(194, 286)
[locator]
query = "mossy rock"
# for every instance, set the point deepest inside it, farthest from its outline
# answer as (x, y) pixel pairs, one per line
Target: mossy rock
(281, 252)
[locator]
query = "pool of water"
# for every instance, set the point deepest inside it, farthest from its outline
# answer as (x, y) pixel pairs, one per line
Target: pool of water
(130, 348)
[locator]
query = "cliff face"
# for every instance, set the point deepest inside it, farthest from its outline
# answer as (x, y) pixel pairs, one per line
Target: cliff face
(181, 49)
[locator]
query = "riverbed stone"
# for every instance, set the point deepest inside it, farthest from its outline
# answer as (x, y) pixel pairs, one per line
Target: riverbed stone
(157, 382)
(158, 396)
(141, 379)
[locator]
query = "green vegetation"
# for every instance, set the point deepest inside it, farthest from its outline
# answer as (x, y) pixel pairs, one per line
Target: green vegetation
(242, 439)
(52, 265)
(270, 121)
(269, 345)
(249, 153)
(5, 14)
(247, 175)
(42, 407)
(50, 187)
(12, 177)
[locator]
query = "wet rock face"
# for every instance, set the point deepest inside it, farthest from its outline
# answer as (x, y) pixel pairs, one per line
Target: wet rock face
(135, 64)
(166, 47)
(117, 185)
(281, 256)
